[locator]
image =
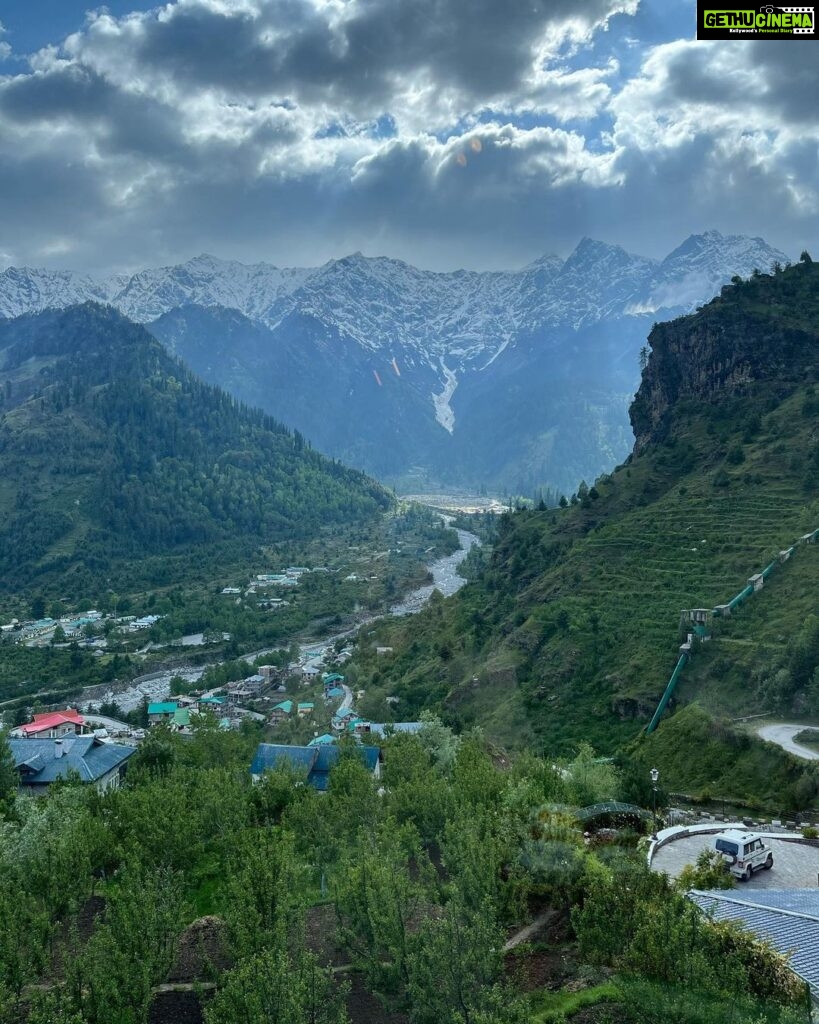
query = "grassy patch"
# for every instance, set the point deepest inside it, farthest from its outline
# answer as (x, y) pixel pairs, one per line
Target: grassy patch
(707, 758)
(650, 1003)
(547, 1007)
(640, 1001)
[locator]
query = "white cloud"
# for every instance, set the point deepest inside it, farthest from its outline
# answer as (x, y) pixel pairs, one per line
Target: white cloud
(271, 128)
(686, 89)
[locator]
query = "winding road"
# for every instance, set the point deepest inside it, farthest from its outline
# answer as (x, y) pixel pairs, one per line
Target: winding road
(782, 733)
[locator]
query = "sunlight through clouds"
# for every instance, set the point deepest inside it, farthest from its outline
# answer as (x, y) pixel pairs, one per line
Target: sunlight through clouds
(278, 110)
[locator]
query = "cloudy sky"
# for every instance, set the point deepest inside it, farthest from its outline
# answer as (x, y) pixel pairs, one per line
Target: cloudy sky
(450, 133)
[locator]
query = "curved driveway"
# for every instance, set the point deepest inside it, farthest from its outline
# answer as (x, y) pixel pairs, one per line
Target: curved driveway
(783, 734)
(796, 865)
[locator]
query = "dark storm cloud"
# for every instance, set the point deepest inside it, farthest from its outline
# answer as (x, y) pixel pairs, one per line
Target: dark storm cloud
(44, 203)
(770, 75)
(74, 95)
(482, 48)
(662, 198)
(789, 74)
(69, 91)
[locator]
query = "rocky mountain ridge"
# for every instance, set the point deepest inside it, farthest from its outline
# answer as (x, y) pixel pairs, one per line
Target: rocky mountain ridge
(378, 300)
(407, 361)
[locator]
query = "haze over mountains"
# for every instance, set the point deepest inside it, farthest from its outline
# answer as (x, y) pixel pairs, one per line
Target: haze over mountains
(503, 380)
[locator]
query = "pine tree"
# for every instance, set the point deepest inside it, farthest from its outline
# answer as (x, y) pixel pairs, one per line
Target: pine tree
(9, 779)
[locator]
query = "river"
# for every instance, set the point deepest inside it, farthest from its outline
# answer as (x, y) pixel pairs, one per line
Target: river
(445, 578)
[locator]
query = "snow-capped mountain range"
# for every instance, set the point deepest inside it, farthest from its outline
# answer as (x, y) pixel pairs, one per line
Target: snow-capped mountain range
(444, 336)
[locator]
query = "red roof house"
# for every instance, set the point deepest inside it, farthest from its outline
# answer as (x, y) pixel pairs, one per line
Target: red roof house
(54, 724)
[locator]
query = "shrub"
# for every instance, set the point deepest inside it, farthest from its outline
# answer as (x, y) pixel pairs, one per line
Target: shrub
(721, 478)
(735, 455)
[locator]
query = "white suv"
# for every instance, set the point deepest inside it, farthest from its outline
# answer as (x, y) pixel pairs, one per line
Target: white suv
(745, 852)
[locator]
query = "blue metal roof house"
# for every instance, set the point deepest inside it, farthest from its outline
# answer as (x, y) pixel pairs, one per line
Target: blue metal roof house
(389, 728)
(787, 918)
(319, 740)
(315, 761)
(42, 762)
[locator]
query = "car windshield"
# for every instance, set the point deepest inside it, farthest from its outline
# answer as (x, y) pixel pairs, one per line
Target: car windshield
(725, 847)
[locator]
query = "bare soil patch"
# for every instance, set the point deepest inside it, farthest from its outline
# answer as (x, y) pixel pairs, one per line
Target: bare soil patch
(202, 951)
(176, 1008)
(90, 914)
(365, 1008)
(605, 1013)
(320, 936)
(532, 970)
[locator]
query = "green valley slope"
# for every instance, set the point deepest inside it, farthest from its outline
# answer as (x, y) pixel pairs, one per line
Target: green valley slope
(117, 463)
(572, 628)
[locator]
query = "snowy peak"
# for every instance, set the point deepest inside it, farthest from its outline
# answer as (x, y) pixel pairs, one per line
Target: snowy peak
(463, 317)
(697, 269)
(24, 290)
(597, 281)
(207, 281)
(538, 275)
(548, 264)
(716, 251)
(512, 379)
(591, 254)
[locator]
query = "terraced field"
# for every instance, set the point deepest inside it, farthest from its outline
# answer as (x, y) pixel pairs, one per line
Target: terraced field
(575, 626)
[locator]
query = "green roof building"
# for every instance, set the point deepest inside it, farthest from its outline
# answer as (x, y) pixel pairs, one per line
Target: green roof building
(162, 711)
(212, 702)
(281, 711)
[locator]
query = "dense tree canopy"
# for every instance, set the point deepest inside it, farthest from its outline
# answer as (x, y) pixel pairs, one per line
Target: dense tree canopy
(410, 883)
(118, 452)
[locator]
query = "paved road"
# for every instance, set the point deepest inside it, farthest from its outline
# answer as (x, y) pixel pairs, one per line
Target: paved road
(782, 734)
(111, 724)
(795, 865)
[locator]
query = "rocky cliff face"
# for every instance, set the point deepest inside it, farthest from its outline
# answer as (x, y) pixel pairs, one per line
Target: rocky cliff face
(762, 330)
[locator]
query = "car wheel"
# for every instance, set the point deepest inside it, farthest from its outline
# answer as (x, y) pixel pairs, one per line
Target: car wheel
(746, 874)
(769, 862)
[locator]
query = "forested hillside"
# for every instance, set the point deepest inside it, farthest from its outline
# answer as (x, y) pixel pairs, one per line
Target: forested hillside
(111, 452)
(571, 629)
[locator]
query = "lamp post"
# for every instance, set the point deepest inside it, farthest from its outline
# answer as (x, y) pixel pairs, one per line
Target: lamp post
(654, 773)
